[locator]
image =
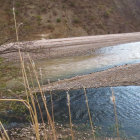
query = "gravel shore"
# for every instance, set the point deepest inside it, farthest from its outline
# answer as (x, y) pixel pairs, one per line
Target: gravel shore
(59, 48)
(117, 76)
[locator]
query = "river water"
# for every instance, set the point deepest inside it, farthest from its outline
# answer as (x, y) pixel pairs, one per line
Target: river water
(100, 103)
(102, 109)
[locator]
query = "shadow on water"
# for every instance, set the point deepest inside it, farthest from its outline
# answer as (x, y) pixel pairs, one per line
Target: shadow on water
(101, 107)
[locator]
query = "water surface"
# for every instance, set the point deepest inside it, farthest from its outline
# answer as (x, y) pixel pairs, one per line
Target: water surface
(101, 108)
(101, 59)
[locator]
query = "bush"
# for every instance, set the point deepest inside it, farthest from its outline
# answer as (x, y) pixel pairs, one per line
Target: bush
(58, 20)
(107, 13)
(76, 21)
(50, 27)
(38, 18)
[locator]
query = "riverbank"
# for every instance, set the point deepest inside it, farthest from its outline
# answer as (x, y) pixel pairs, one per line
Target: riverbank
(66, 47)
(118, 76)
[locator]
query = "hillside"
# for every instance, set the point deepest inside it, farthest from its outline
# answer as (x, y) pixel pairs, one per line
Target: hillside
(66, 18)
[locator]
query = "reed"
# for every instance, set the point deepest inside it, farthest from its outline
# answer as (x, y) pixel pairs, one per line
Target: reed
(32, 109)
(89, 114)
(115, 112)
(32, 99)
(52, 107)
(36, 99)
(5, 135)
(43, 97)
(68, 103)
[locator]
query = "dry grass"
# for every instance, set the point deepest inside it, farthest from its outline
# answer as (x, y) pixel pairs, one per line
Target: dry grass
(4, 136)
(115, 112)
(31, 100)
(89, 114)
(68, 100)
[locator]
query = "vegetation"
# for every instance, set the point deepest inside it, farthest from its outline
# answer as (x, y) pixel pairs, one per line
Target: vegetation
(24, 101)
(58, 20)
(88, 14)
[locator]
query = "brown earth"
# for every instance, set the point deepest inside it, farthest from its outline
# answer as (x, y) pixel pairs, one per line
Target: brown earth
(68, 18)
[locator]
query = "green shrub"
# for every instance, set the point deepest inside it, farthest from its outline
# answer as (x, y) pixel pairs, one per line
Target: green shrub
(50, 27)
(107, 13)
(18, 4)
(72, 4)
(38, 18)
(58, 20)
(43, 9)
(76, 20)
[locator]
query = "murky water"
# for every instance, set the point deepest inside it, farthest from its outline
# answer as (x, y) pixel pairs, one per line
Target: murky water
(101, 108)
(102, 59)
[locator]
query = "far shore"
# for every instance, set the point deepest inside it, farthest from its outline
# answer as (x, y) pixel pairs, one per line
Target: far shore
(66, 47)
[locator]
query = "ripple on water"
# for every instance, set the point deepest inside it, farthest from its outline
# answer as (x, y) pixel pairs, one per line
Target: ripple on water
(101, 107)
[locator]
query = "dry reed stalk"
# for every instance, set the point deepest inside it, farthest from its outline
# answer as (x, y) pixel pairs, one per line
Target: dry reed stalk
(17, 100)
(68, 100)
(25, 86)
(115, 112)
(43, 97)
(2, 137)
(6, 135)
(89, 114)
(52, 107)
(16, 29)
(32, 110)
(31, 77)
(29, 94)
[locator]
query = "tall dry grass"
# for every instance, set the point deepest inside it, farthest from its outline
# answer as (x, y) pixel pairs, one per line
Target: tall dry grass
(32, 102)
(68, 103)
(89, 114)
(4, 136)
(115, 112)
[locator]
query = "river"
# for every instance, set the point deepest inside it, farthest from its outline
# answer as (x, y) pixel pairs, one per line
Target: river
(101, 108)
(101, 59)
(100, 103)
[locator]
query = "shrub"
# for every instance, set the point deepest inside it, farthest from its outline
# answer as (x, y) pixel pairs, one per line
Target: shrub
(107, 13)
(76, 21)
(38, 18)
(50, 27)
(58, 20)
